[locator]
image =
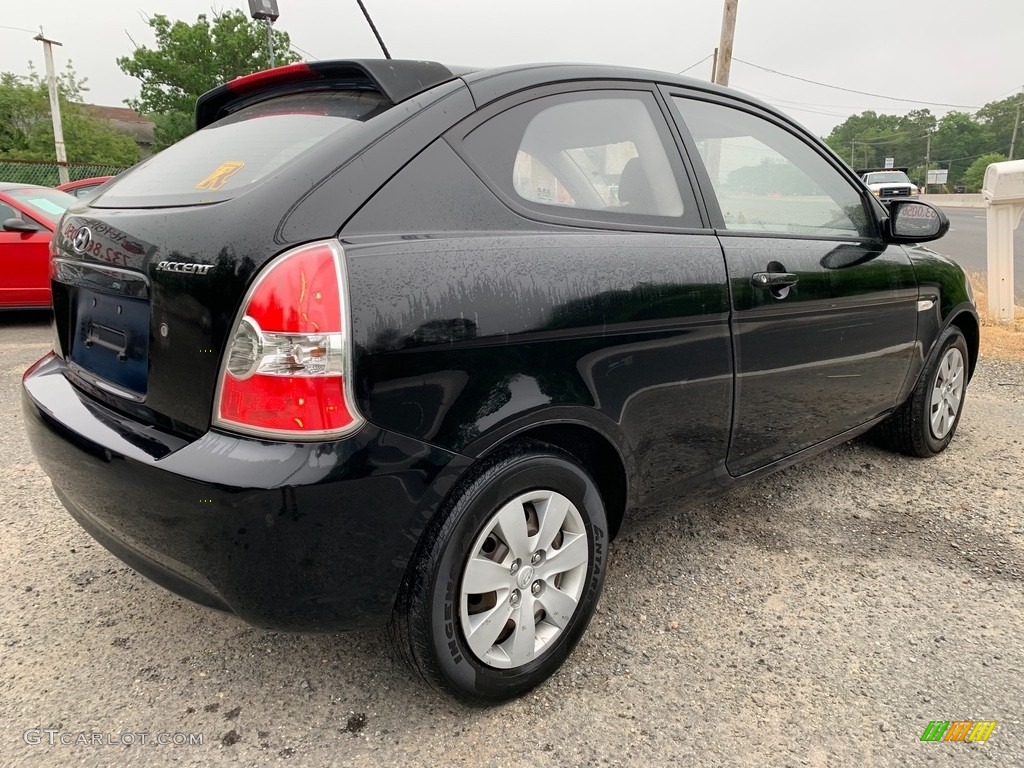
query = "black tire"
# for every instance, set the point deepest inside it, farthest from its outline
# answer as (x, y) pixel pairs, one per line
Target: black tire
(432, 615)
(910, 428)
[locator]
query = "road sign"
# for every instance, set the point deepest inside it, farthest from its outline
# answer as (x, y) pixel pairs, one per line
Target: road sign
(938, 177)
(890, 162)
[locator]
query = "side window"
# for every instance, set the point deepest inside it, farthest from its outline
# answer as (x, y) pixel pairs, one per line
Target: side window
(592, 154)
(768, 180)
(7, 212)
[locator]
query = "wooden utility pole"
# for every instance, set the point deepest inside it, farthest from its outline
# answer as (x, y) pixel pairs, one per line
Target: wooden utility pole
(927, 161)
(58, 129)
(1016, 124)
(725, 45)
(714, 65)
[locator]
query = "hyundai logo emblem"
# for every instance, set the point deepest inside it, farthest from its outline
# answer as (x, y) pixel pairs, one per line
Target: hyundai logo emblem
(82, 239)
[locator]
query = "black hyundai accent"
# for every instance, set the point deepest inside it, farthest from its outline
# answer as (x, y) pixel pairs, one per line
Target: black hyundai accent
(390, 343)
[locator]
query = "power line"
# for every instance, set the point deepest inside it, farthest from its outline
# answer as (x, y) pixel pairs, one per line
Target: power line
(19, 29)
(303, 50)
(800, 106)
(890, 138)
(851, 90)
(697, 64)
(999, 150)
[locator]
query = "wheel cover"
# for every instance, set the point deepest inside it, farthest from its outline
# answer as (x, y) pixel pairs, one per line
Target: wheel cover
(947, 393)
(523, 580)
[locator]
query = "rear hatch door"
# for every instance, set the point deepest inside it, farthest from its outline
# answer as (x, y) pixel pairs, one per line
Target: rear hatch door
(147, 278)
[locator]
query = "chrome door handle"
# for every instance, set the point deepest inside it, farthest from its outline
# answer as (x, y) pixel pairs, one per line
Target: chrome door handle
(773, 279)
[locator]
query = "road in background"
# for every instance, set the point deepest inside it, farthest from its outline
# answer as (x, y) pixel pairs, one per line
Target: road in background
(966, 243)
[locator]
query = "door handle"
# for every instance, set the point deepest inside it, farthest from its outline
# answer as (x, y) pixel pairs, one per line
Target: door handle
(774, 280)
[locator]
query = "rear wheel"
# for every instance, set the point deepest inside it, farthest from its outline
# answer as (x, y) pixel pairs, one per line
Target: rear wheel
(924, 425)
(505, 583)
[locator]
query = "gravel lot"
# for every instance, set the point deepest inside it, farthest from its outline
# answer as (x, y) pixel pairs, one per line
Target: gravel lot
(821, 617)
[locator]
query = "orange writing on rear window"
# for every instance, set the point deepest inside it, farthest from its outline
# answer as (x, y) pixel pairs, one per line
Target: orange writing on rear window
(219, 177)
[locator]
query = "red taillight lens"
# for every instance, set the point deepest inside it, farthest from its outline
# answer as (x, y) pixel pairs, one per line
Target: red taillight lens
(287, 365)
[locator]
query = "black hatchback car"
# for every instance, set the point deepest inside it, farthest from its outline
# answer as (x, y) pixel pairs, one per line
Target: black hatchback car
(389, 343)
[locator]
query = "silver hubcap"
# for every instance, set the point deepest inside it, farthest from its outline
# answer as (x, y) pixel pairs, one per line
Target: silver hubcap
(523, 579)
(947, 393)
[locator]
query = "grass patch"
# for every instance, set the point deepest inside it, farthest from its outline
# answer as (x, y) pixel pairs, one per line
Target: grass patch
(998, 340)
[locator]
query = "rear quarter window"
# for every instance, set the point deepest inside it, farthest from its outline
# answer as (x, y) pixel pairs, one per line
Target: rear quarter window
(591, 156)
(223, 159)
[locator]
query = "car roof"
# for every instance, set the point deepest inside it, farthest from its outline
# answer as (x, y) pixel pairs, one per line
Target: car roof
(83, 182)
(402, 79)
(7, 186)
(526, 75)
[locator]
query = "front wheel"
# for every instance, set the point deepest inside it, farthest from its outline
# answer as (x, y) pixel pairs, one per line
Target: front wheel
(924, 425)
(506, 581)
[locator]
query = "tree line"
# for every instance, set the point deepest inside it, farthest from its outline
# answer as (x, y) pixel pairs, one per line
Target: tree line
(190, 59)
(962, 143)
(26, 128)
(187, 61)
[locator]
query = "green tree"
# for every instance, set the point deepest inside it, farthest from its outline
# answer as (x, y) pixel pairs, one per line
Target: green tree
(865, 140)
(974, 176)
(190, 59)
(26, 127)
(958, 140)
(998, 117)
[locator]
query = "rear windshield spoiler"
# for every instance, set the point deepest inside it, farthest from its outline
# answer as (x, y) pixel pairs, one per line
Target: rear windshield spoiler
(397, 79)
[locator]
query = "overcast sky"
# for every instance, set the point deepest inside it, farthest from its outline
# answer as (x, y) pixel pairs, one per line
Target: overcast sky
(956, 53)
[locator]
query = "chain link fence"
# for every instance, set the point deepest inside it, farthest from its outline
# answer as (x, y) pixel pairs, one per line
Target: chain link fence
(33, 172)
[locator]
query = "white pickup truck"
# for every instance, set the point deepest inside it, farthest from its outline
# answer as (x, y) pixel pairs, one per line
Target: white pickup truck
(889, 183)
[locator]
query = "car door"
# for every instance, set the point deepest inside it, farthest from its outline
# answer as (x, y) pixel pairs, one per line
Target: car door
(24, 262)
(824, 312)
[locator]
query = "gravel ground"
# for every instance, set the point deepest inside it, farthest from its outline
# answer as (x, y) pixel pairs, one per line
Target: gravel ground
(818, 618)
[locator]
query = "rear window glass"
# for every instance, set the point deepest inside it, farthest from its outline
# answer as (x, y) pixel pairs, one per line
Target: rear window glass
(219, 161)
(43, 203)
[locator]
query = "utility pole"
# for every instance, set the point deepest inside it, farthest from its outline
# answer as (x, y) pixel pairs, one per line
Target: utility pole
(714, 65)
(852, 143)
(58, 128)
(725, 45)
(927, 161)
(1016, 124)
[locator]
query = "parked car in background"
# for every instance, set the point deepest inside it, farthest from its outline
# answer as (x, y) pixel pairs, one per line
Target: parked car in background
(386, 342)
(83, 187)
(28, 216)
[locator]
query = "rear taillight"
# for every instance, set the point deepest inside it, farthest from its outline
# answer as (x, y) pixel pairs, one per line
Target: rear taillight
(287, 369)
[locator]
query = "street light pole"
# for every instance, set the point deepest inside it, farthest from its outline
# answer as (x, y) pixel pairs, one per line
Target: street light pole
(270, 41)
(58, 128)
(267, 11)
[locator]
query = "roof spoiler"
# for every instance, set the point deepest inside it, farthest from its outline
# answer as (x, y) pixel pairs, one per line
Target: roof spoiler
(397, 79)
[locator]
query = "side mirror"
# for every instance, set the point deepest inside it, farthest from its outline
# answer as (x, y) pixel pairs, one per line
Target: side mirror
(911, 221)
(20, 225)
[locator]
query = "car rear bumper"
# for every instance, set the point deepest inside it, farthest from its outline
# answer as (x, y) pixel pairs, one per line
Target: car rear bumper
(293, 536)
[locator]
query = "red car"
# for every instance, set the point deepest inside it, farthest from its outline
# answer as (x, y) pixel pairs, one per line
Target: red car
(28, 217)
(84, 187)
